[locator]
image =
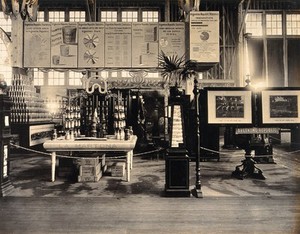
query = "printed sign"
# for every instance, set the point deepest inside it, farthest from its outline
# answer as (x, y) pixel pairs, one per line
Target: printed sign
(91, 45)
(204, 36)
(145, 39)
(37, 44)
(64, 45)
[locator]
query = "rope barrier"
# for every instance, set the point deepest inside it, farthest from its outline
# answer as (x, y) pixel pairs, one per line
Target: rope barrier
(76, 157)
(143, 153)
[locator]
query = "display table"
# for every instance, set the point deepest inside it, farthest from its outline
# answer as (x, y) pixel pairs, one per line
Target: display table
(98, 145)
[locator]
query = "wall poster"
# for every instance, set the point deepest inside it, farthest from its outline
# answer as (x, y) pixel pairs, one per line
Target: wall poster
(229, 107)
(280, 106)
(204, 36)
(172, 38)
(37, 44)
(91, 44)
(145, 43)
(118, 45)
(64, 45)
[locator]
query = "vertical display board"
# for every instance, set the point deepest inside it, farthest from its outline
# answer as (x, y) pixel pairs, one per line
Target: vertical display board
(172, 38)
(145, 43)
(37, 45)
(64, 45)
(177, 127)
(118, 45)
(204, 36)
(90, 45)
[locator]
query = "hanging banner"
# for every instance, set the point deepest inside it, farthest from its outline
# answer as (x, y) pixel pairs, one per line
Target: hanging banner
(172, 38)
(145, 39)
(90, 45)
(118, 45)
(204, 36)
(37, 44)
(64, 45)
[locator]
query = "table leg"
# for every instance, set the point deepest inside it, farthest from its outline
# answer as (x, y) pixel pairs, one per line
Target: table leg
(131, 159)
(128, 157)
(53, 165)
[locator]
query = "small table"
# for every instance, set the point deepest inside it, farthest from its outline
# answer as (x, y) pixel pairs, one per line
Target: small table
(99, 145)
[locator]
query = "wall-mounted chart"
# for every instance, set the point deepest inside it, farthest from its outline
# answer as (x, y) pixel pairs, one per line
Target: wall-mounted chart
(145, 39)
(91, 45)
(37, 36)
(64, 45)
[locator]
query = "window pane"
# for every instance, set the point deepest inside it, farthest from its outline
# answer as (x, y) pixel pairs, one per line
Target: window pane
(75, 78)
(56, 78)
(77, 16)
(56, 16)
(38, 77)
(254, 24)
(129, 16)
(293, 24)
(274, 24)
(109, 16)
(150, 16)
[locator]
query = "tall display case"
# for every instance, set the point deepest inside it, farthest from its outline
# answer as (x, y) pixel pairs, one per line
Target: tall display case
(177, 157)
(29, 116)
(5, 135)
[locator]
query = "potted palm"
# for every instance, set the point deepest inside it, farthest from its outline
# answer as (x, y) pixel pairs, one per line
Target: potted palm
(175, 70)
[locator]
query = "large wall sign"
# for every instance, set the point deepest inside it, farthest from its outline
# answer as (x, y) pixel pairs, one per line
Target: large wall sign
(204, 36)
(172, 38)
(101, 45)
(118, 45)
(90, 45)
(37, 45)
(64, 45)
(145, 44)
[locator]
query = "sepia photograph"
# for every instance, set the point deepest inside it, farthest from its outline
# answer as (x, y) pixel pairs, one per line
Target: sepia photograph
(150, 117)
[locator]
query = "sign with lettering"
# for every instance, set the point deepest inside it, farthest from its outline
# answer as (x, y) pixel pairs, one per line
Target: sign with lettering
(172, 38)
(37, 44)
(145, 39)
(64, 45)
(91, 44)
(118, 45)
(204, 36)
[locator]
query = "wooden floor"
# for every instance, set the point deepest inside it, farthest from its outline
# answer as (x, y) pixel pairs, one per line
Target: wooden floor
(114, 206)
(150, 215)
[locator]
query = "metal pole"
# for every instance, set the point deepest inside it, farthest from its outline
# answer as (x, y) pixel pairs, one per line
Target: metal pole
(197, 190)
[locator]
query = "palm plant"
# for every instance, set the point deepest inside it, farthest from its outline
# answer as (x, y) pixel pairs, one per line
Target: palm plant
(175, 69)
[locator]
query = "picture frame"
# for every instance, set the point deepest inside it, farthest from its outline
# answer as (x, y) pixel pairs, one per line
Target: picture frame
(280, 106)
(229, 106)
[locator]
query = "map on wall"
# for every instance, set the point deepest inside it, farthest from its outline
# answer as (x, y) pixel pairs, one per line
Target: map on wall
(118, 45)
(37, 45)
(145, 44)
(204, 36)
(64, 45)
(91, 45)
(172, 38)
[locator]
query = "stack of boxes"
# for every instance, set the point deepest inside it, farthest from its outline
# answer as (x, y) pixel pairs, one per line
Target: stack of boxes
(91, 169)
(118, 169)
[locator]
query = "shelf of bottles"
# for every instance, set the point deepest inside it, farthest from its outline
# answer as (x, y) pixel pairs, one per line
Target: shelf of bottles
(71, 119)
(119, 116)
(94, 120)
(28, 106)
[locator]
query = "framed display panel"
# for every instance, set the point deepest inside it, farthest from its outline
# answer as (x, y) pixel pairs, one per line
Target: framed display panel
(280, 106)
(177, 126)
(229, 106)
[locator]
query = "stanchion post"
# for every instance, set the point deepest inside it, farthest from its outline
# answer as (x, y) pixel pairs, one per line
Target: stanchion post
(197, 192)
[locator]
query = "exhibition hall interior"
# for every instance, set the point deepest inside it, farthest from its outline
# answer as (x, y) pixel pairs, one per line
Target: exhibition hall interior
(157, 116)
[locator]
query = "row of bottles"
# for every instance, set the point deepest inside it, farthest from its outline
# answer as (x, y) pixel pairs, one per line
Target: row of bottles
(28, 105)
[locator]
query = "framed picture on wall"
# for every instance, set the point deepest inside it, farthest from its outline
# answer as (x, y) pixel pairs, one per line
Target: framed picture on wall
(280, 106)
(229, 106)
